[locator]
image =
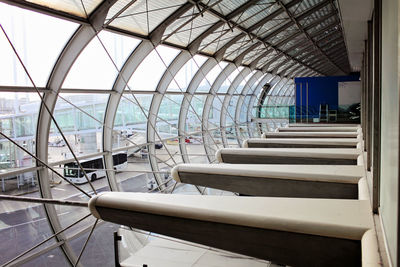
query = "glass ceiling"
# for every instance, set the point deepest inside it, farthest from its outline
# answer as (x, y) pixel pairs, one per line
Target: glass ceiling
(161, 82)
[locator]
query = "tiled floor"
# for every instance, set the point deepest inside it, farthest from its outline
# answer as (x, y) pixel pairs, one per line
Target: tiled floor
(168, 252)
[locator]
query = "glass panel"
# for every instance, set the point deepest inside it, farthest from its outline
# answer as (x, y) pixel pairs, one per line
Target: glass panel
(230, 112)
(130, 131)
(130, 120)
(187, 28)
(169, 111)
(225, 85)
(256, 12)
(208, 81)
(150, 71)
(144, 15)
(54, 257)
(73, 7)
(38, 39)
(244, 108)
(194, 141)
(185, 74)
(218, 39)
(195, 113)
(214, 119)
(100, 249)
(81, 124)
(224, 7)
(80, 117)
(243, 82)
(22, 226)
(94, 69)
(167, 127)
(18, 113)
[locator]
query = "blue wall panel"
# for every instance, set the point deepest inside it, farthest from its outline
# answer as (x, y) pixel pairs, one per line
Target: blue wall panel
(321, 90)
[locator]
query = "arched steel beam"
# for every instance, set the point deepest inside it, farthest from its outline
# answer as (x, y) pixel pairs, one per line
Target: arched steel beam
(283, 89)
(127, 70)
(282, 72)
(193, 85)
(162, 86)
(239, 106)
(275, 69)
(288, 39)
(223, 75)
(303, 15)
(312, 25)
(156, 35)
(272, 81)
(274, 91)
(290, 70)
(83, 35)
(231, 90)
(300, 27)
(193, 47)
(239, 59)
(269, 62)
(220, 53)
(251, 35)
(272, 16)
(253, 64)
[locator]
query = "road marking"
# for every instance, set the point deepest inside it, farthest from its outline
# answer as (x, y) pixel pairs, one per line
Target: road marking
(61, 189)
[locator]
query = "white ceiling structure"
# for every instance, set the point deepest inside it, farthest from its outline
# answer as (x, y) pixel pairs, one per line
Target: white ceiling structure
(355, 28)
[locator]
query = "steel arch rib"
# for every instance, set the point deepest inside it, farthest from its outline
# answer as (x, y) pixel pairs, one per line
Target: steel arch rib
(70, 53)
(231, 90)
(222, 76)
(250, 85)
(276, 89)
(162, 86)
(239, 105)
(80, 39)
(193, 85)
(129, 67)
(256, 93)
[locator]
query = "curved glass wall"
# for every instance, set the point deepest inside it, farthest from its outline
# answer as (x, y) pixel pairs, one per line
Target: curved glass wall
(123, 113)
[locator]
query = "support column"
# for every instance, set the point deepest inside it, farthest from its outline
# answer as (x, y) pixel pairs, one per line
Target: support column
(370, 95)
(376, 153)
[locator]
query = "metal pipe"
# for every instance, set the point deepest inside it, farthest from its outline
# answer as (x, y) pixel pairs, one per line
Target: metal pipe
(44, 200)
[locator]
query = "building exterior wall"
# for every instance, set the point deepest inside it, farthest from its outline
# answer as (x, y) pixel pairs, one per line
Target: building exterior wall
(389, 191)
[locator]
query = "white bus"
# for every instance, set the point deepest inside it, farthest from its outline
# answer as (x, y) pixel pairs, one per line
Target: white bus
(94, 168)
